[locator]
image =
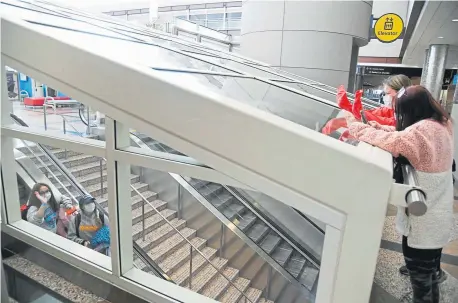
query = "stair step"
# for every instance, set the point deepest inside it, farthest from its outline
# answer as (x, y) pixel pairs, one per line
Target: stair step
(163, 250)
(262, 300)
(158, 235)
(197, 184)
(137, 213)
(152, 223)
(207, 274)
(233, 294)
(220, 284)
(136, 200)
(181, 256)
(140, 264)
(258, 231)
(282, 254)
(181, 275)
(253, 294)
(270, 242)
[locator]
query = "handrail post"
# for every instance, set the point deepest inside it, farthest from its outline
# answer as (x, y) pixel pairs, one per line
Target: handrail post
(143, 220)
(190, 267)
(88, 128)
(269, 283)
(101, 178)
(44, 116)
(221, 241)
(65, 132)
(180, 206)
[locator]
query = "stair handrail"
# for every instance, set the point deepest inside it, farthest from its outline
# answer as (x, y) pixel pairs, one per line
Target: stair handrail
(192, 246)
(82, 191)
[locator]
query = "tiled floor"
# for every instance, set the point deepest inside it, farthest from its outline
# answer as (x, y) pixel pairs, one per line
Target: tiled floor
(389, 261)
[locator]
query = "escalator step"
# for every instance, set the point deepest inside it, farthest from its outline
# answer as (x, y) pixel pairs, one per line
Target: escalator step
(258, 231)
(309, 276)
(282, 254)
(232, 211)
(270, 242)
(296, 264)
(211, 190)
(221, 200)
(248, 219)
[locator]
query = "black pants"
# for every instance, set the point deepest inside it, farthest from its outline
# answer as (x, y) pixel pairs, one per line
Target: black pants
(423, 266)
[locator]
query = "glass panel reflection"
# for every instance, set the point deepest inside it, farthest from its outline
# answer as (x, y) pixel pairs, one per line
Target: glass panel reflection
(64, 192)
(186, 231)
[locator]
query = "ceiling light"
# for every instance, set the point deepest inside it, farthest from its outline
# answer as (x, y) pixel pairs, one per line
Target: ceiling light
(454, 20)
(440, 37)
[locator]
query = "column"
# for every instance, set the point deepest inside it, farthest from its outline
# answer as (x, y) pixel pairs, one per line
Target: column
(433, 71)
(313, 39)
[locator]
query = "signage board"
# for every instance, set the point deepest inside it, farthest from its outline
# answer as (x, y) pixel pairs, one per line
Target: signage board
(388, 28)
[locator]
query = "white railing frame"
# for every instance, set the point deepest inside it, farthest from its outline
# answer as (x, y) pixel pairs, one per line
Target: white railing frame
(299, 175)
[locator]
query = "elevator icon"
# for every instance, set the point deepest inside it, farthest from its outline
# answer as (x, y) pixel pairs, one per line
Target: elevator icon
(388, 26)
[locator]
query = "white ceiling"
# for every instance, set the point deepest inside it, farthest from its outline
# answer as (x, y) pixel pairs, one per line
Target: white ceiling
(435, 21)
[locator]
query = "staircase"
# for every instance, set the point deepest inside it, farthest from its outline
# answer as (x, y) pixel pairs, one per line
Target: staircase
(293, 261)
(159, 240)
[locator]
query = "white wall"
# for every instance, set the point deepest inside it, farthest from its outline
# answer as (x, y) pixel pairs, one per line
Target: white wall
(376, 48)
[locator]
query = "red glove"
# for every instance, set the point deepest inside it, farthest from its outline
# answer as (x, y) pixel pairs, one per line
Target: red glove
(342, 99)
(380, 120)
(357, 105)
(333, 125)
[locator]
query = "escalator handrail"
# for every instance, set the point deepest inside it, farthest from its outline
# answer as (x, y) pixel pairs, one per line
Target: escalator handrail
(250, 205)
(82, 191)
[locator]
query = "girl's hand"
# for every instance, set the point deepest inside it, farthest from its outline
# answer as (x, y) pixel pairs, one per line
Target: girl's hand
(39, 197)
(349, 117)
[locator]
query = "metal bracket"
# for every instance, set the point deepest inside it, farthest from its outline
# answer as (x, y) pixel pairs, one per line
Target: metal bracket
(402, 195)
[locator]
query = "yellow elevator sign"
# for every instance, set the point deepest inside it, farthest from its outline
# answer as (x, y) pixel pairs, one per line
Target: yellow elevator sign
(388, 28)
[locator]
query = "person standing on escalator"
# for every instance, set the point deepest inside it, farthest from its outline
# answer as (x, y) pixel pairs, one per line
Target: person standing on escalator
(424, 136)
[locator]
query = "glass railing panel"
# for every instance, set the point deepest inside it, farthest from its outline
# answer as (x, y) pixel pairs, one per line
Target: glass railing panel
(176, 217)
(67, 176)
(279, 101)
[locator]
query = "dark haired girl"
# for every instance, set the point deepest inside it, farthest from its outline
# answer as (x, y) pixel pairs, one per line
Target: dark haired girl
(44, 207)
(424, 136)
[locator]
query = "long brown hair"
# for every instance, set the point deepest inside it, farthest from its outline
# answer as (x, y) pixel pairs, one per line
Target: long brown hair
(417, 104)
(34, 201)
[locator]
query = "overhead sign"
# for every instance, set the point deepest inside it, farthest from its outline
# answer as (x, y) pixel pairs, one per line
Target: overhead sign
(377, 70)
(389, 28)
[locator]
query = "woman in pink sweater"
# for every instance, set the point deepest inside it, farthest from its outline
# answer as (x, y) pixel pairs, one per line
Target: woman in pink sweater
(424, 136)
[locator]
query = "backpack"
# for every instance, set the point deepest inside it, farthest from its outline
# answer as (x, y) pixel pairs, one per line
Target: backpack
(24, 210)
(78, 222)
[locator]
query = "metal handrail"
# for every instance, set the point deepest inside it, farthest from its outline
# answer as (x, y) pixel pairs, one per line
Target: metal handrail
(416, 197)
(191, 245)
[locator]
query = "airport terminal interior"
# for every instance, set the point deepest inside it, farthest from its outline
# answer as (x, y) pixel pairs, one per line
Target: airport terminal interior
(199, 133)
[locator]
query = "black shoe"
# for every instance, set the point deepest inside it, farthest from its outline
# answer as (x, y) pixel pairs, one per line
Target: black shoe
(442, 276)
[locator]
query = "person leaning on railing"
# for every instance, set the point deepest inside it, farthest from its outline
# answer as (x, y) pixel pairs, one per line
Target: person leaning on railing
(424, 136)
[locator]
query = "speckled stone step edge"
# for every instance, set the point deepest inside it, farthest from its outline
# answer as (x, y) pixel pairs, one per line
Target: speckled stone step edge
(137, 200)
(181, 256)
(220, 283)
(152, 222)
(170, 245)
(156, 236)
(181, 275)
(262, 300)
(52, 281)
(207, 274)
(232, 294)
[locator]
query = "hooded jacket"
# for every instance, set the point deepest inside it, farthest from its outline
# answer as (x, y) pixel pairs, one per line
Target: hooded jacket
(428, 145)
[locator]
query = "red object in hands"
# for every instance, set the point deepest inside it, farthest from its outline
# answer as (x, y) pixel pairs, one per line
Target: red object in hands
(342, 99)
(382, 115)
(70, 211)
(357, 105)
(333, 125)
